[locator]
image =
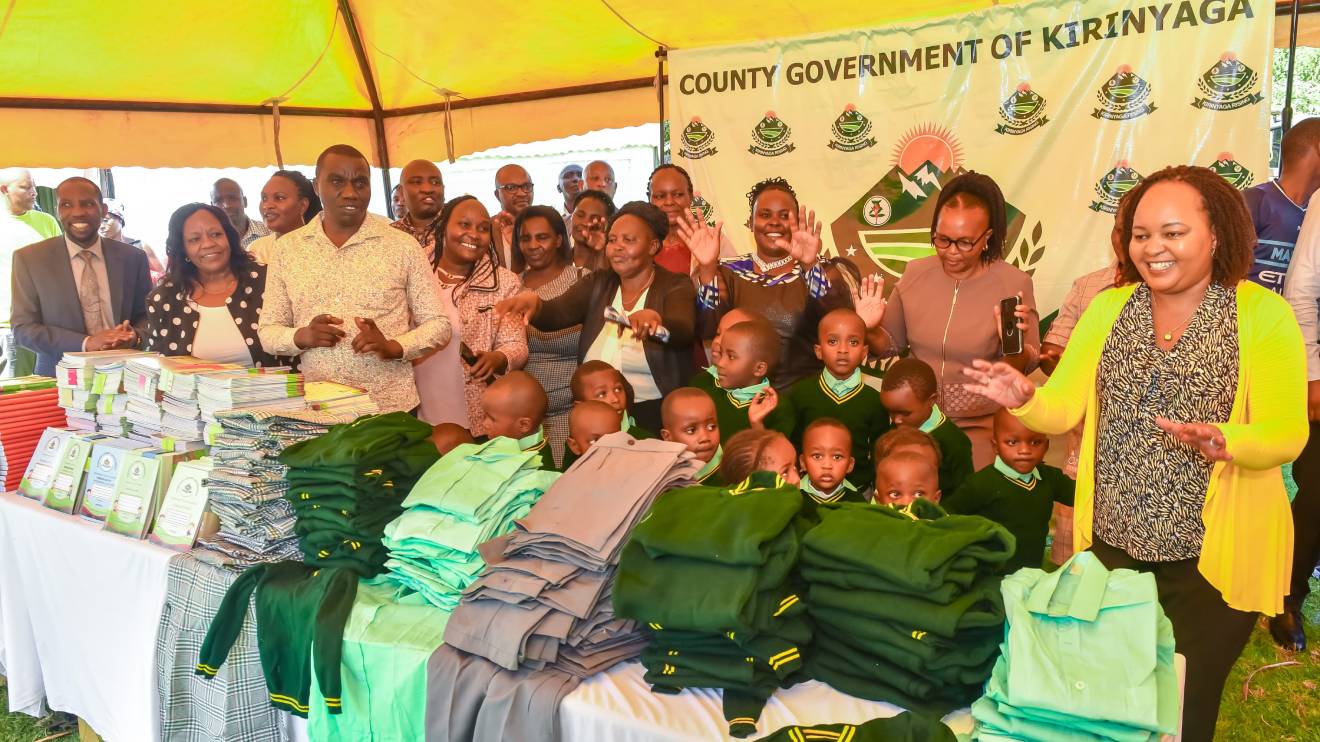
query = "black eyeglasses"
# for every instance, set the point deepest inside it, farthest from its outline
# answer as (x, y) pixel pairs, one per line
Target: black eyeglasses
(511, 187)
(964, 245)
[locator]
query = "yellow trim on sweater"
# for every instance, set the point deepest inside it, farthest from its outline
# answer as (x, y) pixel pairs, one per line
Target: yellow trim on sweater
(1247, 551)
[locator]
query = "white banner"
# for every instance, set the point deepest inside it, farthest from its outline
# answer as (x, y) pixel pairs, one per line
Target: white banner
(1066, 104)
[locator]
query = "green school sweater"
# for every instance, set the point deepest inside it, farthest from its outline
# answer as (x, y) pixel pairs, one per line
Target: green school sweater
(733, 416)
(1023, 508)
(955, 456)
(860, 411)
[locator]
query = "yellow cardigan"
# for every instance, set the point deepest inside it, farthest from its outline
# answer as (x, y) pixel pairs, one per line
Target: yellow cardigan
(1247, 552)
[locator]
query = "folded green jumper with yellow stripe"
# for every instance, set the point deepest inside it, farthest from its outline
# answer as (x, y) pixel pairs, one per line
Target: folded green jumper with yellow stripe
(905, 727)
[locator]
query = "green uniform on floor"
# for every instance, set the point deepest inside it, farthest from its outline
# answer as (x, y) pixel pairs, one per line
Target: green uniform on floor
(1022, 503)
(300, 613)
(732, 413)
(905, 727)
(955, 450)
(851, 402)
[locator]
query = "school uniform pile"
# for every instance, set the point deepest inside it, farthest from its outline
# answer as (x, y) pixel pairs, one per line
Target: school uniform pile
(1088, 654)
(906, 602)
(541, 617)
(345, 486)
(28, 405)
(470, 496)
(709, 571)
(247, 485)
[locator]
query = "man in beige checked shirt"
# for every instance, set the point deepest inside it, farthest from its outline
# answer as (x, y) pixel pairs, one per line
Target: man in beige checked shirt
(353, 297)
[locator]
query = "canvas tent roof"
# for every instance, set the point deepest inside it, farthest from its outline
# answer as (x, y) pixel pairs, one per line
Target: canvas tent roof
(163, 83)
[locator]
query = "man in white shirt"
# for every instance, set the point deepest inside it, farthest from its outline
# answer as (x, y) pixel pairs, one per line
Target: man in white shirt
(1301, 288)
(351, 295)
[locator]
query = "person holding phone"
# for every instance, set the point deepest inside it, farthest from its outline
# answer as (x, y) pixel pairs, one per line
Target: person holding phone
(651, 298)
(1192, 384)
(465, 264)
(953, 307)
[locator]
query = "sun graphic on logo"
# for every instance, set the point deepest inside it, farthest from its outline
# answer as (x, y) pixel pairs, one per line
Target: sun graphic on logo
(928, 143)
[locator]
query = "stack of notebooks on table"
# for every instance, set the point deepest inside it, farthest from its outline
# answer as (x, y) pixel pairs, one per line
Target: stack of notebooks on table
(91, 386)
(246, 483)
(162, 396)
(113, 481)
(709, 572)
(250, 387)
(28, 405)
(472, 495)
(906, 602)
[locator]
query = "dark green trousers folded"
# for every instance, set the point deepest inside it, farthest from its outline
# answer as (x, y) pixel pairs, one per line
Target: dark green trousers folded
(980, 607)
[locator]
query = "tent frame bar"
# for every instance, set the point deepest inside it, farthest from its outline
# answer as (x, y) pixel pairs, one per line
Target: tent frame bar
(523, 97)
(117, 106)
(377, 112)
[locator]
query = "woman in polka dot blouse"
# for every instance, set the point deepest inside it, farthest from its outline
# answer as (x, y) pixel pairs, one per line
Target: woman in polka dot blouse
(208, 302)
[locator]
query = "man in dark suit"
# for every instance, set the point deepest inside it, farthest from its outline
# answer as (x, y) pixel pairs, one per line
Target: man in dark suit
(78, 292)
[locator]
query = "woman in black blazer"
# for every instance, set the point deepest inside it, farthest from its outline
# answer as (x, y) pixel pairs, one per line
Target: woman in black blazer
(653, 349)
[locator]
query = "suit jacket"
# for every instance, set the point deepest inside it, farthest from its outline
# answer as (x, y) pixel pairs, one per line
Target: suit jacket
(671, 295)
(46, 314)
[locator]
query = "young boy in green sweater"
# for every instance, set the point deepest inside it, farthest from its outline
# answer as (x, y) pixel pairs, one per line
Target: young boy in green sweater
(601, 382)
(688, 416)
(514, 406)
(827, 459)
(1017, 491)
(742, 394)
(905, 476)
(839, 392)
(908, 392)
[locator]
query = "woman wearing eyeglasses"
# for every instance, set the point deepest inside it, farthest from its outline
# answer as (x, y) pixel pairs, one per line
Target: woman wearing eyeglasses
(945, 308)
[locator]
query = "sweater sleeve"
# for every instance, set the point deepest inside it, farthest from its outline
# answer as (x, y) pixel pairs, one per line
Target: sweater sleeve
(567, 309)
(1058, 406)
(1275, 409)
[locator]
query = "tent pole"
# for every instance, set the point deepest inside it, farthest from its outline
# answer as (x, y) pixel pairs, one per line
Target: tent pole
(661, 54)
(377, 113)
(1292, 56)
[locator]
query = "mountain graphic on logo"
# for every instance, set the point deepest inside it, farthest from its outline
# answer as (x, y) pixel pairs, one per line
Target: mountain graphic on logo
(1232, 171)
(1119, 181)
(696, 132)
(1125, 86)
(1229, 76)
(1023, 103)
(770, 129)
(850, 123)
(886, 250)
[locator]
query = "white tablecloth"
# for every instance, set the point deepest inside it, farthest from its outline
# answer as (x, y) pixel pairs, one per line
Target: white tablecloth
(79, 609)
(619, 706)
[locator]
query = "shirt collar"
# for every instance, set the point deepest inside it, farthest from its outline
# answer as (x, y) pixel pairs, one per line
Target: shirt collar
(745, 395)
(626, 423)
(533, 442)
(1012, 473)
(75, 249)
(711, 465)
(841, 388)
(808, 487)
(1076, 589)
(315, 229)
(714, 372)
(935, 420)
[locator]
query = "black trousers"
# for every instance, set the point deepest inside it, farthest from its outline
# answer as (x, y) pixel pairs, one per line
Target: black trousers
(1306, 520)
(1208, 633)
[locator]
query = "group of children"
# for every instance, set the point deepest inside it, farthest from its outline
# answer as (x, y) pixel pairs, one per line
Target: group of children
(835, 436)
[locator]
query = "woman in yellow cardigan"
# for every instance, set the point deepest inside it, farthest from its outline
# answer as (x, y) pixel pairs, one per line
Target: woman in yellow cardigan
(1192, 384)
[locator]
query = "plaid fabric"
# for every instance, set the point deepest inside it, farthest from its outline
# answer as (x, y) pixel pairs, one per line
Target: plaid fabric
(233, 706)
(818, 284)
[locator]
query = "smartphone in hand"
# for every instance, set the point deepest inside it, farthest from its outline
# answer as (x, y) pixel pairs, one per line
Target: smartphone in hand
(1010, 336)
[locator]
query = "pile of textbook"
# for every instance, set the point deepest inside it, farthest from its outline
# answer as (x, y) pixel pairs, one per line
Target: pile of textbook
(91, 389)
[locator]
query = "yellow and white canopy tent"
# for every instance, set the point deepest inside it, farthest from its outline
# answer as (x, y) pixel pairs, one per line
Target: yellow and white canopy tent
(163, 83)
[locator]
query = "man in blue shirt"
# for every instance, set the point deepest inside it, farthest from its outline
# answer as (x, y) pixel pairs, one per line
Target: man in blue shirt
(1278, 209)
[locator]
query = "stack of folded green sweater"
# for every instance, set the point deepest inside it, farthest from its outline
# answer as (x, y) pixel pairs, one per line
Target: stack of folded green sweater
(346, 485)
(906, 602)
(709, 572)
(470, 496)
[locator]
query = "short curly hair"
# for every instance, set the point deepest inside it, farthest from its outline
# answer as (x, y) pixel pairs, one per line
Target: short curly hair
(1230, 222)
(769, 184)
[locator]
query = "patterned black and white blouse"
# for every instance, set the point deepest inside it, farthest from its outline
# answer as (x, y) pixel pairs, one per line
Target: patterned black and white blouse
(172, 318)
(1149, 488)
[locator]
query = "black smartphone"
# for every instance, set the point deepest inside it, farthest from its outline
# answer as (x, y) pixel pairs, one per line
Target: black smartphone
(1010, 336)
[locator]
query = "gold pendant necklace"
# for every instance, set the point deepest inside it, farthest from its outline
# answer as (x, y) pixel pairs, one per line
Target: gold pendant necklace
(1168, 336)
